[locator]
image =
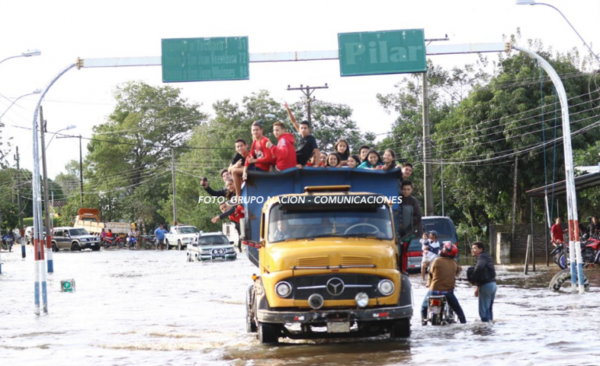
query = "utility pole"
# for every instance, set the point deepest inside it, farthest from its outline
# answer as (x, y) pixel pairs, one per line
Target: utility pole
(174, 187)
(21, 229)
(514, 203)
(442, 186)
(428, 179)
(46, 200)
(80, 173)
(308, 91)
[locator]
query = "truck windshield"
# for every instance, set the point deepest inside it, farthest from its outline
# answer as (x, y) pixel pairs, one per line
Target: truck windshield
(187, 230)
(78, 232)
(303, 224)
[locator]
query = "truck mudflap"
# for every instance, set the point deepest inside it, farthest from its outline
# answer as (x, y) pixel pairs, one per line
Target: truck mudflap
(323, 316)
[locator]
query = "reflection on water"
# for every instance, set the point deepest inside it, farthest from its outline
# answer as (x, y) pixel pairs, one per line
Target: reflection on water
(154, 308)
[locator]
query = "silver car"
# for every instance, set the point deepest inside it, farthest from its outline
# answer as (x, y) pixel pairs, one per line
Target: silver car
(211, 246)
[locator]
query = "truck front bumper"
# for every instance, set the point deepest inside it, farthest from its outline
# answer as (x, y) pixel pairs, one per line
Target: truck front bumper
(328, 315)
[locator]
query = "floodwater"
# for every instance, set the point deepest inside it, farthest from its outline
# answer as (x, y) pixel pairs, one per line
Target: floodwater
(154, 308)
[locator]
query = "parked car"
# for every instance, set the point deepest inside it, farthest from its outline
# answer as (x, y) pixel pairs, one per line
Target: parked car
(29, 233)
(74, 239)
(180, 236)
(211, 246)
(445, 232)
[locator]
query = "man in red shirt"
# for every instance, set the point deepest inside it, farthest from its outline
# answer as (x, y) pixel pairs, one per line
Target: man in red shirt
(259, 157)
(557, 231)
(285, 153)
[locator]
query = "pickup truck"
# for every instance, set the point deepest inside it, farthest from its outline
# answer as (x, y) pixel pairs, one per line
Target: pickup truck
(89, 219)
(180, 236)
(330, 246)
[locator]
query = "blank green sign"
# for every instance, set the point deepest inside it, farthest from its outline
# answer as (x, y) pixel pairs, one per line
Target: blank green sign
(386, 52)
(205, 59)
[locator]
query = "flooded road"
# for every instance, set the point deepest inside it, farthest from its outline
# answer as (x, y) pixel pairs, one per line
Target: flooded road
(154, 308)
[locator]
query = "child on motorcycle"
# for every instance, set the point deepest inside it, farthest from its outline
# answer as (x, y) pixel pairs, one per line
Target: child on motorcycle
(430, 252)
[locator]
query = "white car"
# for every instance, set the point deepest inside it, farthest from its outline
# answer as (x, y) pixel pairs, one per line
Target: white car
(180, 236)
(211, 246)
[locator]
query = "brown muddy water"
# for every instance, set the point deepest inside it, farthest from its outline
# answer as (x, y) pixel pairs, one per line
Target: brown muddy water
(154, 308)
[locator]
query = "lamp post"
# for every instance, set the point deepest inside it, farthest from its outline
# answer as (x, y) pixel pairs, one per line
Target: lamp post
(28, 53)
(37, 91)
(532, 2)
(70, 127)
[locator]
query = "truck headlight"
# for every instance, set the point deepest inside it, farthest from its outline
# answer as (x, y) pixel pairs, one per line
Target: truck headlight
(362, 300)
(386, 287)
(283, 289)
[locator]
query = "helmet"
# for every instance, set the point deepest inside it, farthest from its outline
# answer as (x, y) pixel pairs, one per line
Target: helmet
(449, 250)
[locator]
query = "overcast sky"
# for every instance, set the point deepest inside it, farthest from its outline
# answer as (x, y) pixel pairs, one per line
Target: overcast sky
(65, 30)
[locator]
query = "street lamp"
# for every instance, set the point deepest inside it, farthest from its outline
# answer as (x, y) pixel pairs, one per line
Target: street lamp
(56, 133)
(532, 2)
(37, 91)
(28, 53)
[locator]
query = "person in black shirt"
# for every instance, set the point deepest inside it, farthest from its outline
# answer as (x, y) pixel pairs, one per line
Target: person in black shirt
(239, 160)
(341, 148)
(226, 176)
(307, 146)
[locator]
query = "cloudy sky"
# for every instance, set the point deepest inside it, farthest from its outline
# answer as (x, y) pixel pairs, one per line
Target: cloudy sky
(65, 30)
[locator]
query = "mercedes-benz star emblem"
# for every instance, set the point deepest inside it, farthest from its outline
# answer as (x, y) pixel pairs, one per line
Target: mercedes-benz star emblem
(335, 286)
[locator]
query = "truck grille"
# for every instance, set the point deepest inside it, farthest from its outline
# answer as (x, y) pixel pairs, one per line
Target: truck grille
(313, 262)
(343, 286)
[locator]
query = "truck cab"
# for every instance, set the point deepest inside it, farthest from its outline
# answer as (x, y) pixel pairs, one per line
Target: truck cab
(329, 257)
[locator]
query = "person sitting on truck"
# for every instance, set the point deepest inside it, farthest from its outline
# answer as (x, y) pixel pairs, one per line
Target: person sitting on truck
(333, 160)
(284, 152)
(307, 146)
(225, 175)
(372, 161)
(407, 169)
(362, 152)
(442, 281)
(353, 162)
(409, 200)
(239, 159)
(259, 159)
(389, 160)
(342, 149)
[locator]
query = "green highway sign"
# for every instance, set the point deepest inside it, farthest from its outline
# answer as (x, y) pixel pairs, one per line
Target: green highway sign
(205, 59)
(385, 52)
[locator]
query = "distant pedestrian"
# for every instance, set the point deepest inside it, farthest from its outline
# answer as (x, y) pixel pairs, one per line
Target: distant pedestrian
(557, 231)
(160, 237)
(483, 275)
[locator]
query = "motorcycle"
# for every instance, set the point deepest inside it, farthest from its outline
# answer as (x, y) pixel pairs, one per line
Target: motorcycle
(131, 242)
(149, 241)
(590, 252)
(439, 312)
(113, 242)
(8, 242)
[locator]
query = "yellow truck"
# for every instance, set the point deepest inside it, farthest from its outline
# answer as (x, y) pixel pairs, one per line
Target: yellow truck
(89, 219)
(330, 257)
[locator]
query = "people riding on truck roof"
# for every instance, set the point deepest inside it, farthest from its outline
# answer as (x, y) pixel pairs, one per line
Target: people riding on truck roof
(307, 146)
(284, 151)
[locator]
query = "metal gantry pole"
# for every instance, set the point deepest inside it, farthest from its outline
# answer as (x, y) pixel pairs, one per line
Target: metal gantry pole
(40, 278)
(80, 172)
(574, 243)
(21, 228)
(46, 200)
(427, 176)
(174, 187)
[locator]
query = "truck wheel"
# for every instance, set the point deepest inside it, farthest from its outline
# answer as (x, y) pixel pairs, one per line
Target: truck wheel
(54, 247)
(269, 333)
(400, 329)
(250, 324)
(75, 247)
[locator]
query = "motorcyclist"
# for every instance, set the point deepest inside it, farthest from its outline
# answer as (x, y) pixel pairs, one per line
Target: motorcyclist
(441, 281)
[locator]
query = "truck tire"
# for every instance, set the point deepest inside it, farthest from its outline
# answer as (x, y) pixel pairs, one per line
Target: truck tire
(54, 247)
(75, 247)
(400, 329)
(250, 324)
(269, 333)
